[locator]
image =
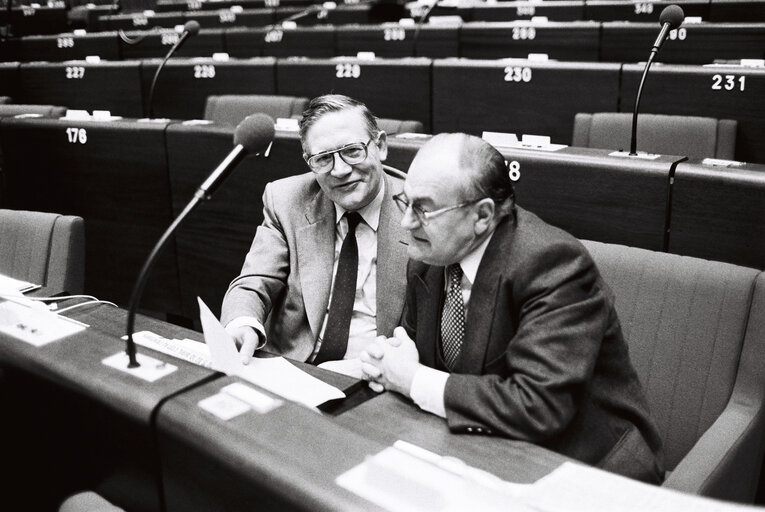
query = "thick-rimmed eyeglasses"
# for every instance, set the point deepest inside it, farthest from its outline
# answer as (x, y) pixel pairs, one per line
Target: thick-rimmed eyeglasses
(324, 162)
(423, 216)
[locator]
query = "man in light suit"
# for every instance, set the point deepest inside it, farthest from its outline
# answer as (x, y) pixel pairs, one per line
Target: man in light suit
(285, 297)
(515, 333)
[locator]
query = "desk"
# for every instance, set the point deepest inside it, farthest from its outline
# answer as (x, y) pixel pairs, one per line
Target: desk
(573, 40)
(694, 43)
(184, 84)
(393, 40)
(27, 20)
(520, 96)
(141, 20)
(736, 10)
(230, 18)
(9, 79)
(554, 10)
(318, 41)
(114, 175)
(616, 10)
(69, 46)
(723, 92)
(146, 44)
(392, 88)
(113, 86)
(78, 424)
(718, 213)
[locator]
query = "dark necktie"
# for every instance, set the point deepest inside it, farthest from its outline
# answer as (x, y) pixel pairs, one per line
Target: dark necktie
(335, 340)
(453, 317)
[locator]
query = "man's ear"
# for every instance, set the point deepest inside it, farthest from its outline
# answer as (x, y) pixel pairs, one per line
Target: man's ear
(484, 211)
(382, 145)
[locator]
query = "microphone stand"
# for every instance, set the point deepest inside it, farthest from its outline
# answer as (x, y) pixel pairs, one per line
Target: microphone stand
(633, 141)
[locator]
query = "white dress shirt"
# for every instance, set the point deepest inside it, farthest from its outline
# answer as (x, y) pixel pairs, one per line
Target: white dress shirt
(363, 328)
(428, 384)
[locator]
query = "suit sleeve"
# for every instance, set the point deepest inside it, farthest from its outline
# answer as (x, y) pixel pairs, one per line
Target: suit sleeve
(266, 267)
(532, 391)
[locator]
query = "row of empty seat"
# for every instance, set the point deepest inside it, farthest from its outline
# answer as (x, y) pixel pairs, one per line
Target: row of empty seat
(522, 96)
(700, 43)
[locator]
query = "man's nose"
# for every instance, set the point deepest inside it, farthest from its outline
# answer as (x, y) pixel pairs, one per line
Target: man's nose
(409, 220)
(340, 168)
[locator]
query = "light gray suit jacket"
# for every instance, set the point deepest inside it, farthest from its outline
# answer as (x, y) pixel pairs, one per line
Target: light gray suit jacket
(287, 275)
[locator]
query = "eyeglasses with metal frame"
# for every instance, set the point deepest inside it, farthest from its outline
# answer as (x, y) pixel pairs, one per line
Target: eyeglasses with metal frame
(352, 154)
(423, 216)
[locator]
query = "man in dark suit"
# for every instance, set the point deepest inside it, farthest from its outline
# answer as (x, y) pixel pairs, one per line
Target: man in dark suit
(515, 333)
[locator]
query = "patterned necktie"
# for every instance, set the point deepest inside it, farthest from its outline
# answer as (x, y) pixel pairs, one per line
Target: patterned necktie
(335, 340)
(453, 317)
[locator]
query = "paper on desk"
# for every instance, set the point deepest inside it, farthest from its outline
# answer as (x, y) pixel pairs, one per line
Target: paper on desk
(349, 367)
(275, 374)
(575, 487)
(11, 286)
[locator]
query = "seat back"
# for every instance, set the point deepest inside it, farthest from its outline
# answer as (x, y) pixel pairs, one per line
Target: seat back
(685, 320)
(43, 248)
(231, 109)
(691, 136)
(394, 126)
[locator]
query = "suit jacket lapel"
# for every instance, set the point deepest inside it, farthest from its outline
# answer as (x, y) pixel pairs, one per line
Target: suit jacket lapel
(391, 264)
(315, 255)
(483, 301)
(430, 296)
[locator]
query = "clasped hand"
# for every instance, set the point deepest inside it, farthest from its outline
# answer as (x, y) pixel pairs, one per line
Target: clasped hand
(390, 363)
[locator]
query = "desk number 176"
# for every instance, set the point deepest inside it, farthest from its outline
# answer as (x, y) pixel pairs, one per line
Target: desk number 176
(76, 135)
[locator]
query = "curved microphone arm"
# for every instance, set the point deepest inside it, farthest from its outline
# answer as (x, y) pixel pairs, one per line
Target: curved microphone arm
(150, 113)
(633, 141)
(135, 297)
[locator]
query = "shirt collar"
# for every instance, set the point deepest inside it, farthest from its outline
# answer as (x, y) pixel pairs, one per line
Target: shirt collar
(470, 263)
(370, 213)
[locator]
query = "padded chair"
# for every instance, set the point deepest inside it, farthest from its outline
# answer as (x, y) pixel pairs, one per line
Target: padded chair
(87, 501)
(696, 334)
(43, 248)
(233, 108)
(4, 100)
(694, 137)
(394, 126)
(48, 111)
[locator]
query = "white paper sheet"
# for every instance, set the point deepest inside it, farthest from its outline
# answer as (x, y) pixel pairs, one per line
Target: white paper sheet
(11, 286)
(34, 324)
(275, 374)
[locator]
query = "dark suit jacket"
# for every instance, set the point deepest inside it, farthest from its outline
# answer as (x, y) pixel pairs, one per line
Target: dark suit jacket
(543, 359)
(287, 275)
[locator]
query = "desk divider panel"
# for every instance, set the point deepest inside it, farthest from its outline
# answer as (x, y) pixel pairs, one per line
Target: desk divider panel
(720, 91)
(184, 84)
(28, 20)
(574, 40)
(718, 213)
(148, 44)
(112, 86)
(215, 239)
(141, 20)
(114, 175)
(736, 10)
(225, 18)
(693, 43)
(317, 41)
(391, 88)
(520, 96)
(9, 80)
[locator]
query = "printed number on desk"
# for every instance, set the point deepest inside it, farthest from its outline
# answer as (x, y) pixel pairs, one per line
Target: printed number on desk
(728, 82)
(75, 72)
(76, 135)
(347, 70)
(517, 74)
(204, 71)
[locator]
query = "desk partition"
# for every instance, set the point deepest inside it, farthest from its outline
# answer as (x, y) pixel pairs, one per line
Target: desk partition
(9, 80)
(27, 20)
(184, 84)
(141, 20)
(114, 175)
(718, 212)
(520, 96)
(692, 43)
(224, 18)
(616, 10)
(722, 92)
(736, 10)
(112, 86)
(575, 40)
(554, 10)
(398, 89)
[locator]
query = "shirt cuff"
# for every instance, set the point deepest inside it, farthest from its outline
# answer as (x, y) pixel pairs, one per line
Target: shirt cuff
(250, 321)
(427, 390)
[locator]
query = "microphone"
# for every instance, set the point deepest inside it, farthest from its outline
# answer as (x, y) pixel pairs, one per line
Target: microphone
(253, 136)
(191, 28)
(670, 18)
(321, 10)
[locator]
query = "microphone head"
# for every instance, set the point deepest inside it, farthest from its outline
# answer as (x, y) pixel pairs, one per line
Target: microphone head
(255, 133)
(672, 14)
(192, 27)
